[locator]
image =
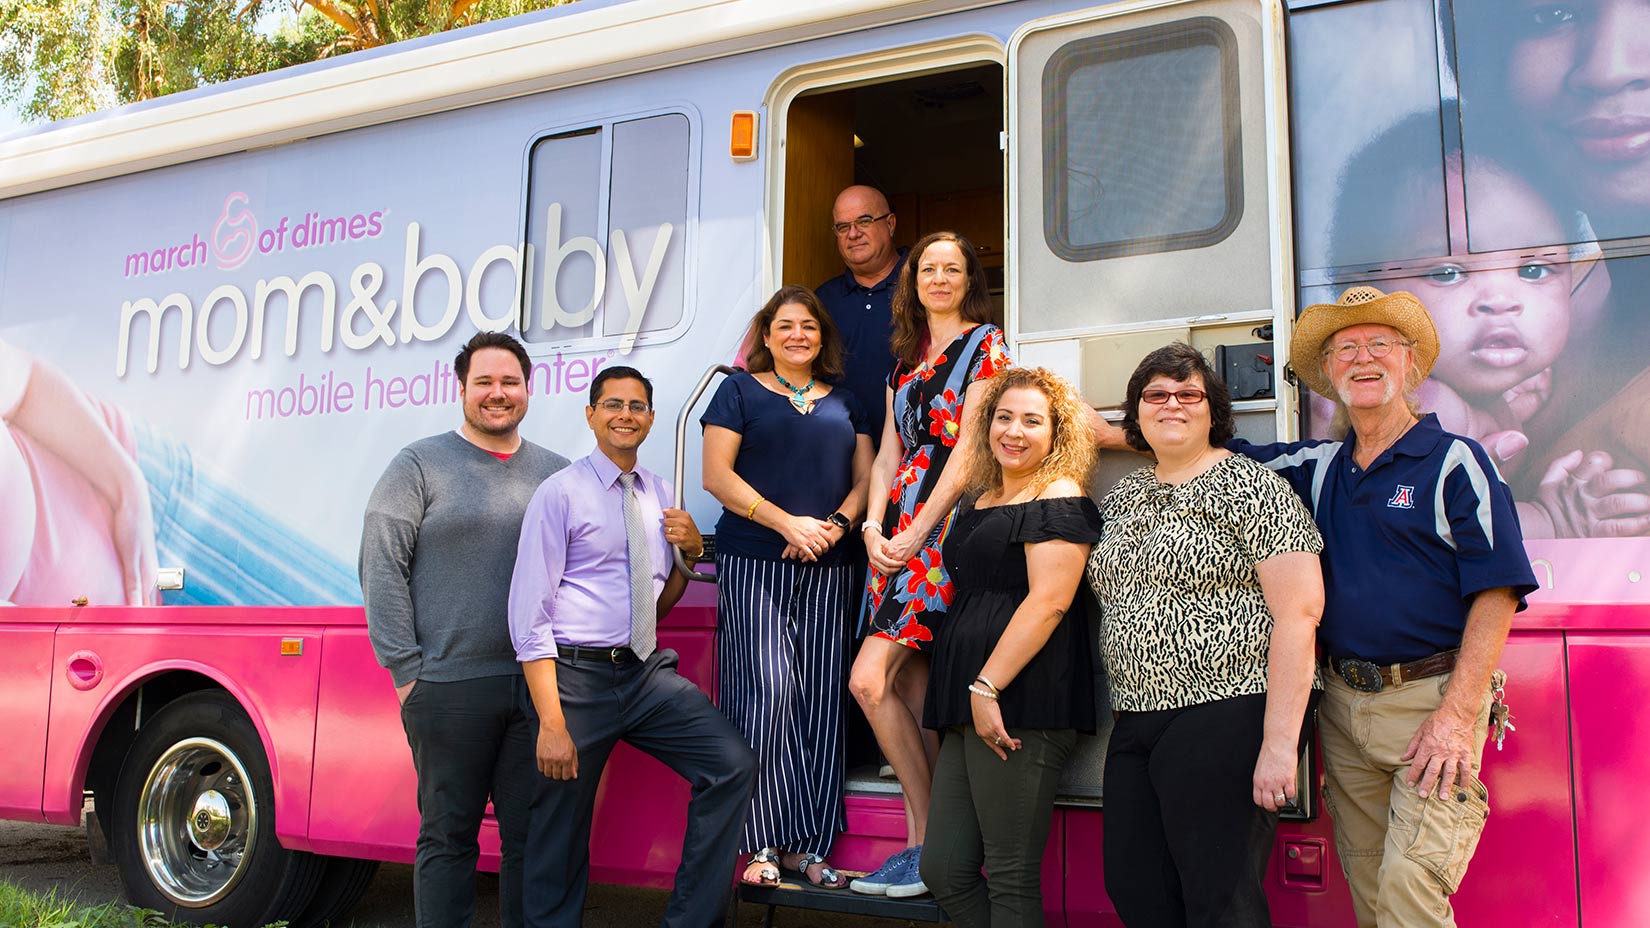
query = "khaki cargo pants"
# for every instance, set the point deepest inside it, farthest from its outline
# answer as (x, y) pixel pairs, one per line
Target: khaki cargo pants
(1403, 855)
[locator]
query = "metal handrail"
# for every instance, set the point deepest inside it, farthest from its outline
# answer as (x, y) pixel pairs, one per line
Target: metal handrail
(681, 457)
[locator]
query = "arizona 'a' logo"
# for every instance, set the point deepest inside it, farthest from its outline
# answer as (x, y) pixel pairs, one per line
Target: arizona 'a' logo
(1402, 498)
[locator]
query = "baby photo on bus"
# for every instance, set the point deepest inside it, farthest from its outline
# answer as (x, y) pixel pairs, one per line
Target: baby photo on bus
(1504, 320)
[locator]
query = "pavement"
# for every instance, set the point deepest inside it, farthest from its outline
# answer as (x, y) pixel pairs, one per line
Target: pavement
(46, 857)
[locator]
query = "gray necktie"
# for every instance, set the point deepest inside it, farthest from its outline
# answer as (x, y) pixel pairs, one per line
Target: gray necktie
(643, 609)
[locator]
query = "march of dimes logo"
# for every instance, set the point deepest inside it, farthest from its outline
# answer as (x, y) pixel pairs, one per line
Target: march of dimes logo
(236, 236)
(366, 306)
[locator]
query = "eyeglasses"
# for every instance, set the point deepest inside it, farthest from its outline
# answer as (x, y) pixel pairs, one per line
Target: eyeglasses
(1186, 397)
(1378, 348)
(636, 407)
(862, 223)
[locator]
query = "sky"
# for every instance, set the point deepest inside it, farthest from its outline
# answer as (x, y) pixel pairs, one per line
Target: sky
(9, 120)
(271, 20)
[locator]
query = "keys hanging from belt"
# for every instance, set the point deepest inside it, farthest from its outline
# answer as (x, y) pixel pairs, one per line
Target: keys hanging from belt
(1500, 713)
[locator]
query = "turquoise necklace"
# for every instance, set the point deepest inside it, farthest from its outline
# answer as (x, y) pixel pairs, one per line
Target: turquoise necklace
(799, 395)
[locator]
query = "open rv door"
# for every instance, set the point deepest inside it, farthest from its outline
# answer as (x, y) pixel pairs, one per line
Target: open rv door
(1148, 202)
(1148, 192)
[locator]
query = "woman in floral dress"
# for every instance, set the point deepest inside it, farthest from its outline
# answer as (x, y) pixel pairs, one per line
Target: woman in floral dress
(947, 349)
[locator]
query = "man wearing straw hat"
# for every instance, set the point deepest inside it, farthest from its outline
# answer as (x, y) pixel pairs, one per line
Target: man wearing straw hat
(1424, 566)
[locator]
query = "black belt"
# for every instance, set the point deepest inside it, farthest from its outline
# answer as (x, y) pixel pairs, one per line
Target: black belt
(1370, 677)
(599, 655)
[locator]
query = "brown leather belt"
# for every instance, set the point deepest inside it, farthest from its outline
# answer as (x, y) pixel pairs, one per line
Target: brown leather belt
(1370, 677)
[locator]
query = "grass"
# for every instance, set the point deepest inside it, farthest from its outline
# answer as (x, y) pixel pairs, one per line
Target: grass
(20, 908)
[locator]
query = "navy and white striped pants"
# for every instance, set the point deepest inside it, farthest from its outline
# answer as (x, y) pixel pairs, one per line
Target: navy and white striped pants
(781, 643)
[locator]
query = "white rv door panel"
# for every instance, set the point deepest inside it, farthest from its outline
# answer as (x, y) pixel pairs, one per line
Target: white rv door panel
(1148, 186)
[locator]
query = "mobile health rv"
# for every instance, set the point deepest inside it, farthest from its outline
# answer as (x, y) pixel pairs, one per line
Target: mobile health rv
(222, 313)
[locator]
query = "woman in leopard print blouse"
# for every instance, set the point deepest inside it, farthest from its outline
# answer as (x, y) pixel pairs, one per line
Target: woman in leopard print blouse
(1209, 579)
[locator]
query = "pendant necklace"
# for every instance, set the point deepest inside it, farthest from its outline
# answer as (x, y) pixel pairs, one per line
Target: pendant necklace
(799, 395)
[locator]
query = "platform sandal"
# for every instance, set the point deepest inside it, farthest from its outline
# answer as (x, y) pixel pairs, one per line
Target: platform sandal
(829, 878)
(768, 874)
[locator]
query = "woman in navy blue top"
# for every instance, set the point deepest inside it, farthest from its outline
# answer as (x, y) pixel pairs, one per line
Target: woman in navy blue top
(789, 458)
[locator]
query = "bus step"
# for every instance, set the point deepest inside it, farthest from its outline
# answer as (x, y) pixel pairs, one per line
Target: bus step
(797, 893)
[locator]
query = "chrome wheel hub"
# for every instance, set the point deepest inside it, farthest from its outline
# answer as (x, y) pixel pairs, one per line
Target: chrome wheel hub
(197, 822)
(210, 822)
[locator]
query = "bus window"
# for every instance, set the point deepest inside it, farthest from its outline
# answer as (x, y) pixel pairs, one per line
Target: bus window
(607, 212)
(1142, 169)
(1143, 150)
(647, 220)
(1555, 92)
(564, 194)
(1351, 100)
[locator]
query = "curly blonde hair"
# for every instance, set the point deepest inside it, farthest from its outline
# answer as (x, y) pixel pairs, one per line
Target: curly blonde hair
(1071, 452)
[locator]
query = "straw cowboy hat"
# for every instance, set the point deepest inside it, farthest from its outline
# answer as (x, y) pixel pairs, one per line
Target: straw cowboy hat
(1359, 305)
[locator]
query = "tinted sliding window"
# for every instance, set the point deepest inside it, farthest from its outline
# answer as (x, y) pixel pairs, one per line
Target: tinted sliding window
(1367, 134)
(1144, 152)
(1556, 95)
(607, 221)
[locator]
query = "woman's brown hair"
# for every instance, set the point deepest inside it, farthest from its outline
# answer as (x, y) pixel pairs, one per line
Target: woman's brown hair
(911, 318)
(1071, 449)
(758, 359)
(1179, 361)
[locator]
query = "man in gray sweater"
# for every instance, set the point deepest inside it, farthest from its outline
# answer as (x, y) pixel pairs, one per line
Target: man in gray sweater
(437, 550)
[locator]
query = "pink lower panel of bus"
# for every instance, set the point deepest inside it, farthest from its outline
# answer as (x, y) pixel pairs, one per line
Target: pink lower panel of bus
(364, 793)
(26, 667)
(1609, 686)
(363, 801)
(1524, 871)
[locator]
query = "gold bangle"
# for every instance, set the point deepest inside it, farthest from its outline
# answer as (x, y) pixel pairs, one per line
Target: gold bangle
(751, 512)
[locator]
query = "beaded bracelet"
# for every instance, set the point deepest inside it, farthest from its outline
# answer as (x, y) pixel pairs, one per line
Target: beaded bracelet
(751, 512)
(981, 691)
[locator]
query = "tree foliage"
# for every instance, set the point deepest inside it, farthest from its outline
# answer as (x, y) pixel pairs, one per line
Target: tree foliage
(62, 58)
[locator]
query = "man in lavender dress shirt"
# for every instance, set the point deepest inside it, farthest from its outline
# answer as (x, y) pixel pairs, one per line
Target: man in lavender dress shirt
(593, 572)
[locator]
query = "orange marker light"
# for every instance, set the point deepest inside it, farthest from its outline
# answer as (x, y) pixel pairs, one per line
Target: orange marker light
(742, 139)
(292, 647)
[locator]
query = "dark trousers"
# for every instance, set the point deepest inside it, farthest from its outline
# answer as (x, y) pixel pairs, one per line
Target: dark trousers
(1185, 844)
(470, 740)
(654, 709)
(993, 813)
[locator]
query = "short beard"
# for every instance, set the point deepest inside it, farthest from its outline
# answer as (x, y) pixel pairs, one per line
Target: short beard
(1343, 390)
(503, 432)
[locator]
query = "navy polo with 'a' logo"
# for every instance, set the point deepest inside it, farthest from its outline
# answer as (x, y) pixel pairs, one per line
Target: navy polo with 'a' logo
(1407, 542)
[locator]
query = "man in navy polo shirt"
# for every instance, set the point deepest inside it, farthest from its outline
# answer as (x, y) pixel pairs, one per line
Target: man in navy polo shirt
(1424, 566)
(860, 300)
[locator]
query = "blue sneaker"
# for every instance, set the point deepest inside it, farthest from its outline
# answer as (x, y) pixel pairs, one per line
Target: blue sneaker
(908, 882)
(877, 883)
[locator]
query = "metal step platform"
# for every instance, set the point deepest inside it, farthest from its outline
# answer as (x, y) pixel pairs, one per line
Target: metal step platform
(797, 893)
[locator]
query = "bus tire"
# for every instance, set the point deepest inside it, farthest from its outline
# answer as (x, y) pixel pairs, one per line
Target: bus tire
(194, 821)
(343, 883)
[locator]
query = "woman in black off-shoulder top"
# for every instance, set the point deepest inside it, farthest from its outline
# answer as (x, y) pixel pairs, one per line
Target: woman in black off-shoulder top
(1011, 682)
